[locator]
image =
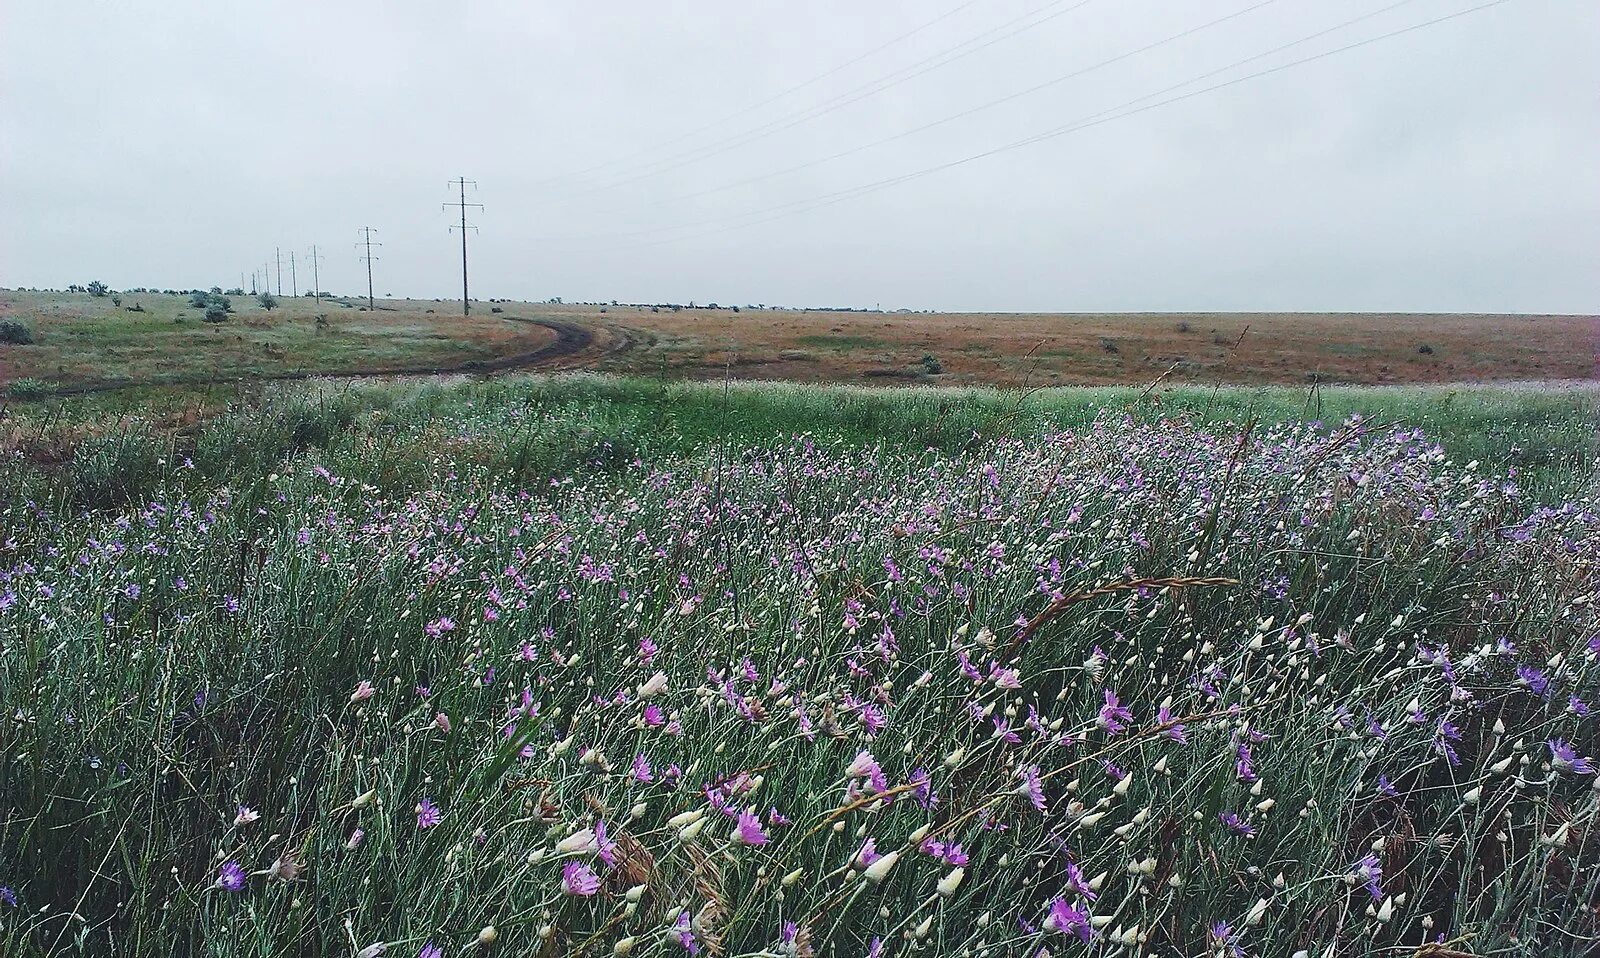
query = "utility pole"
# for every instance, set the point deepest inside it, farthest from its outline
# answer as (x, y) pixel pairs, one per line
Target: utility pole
(277, 261)
(294, 278)
(316, 283)
(253, 275)
(461, 182)
(367, 232)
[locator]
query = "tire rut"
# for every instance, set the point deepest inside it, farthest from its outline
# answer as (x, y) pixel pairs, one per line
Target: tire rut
(573, 341)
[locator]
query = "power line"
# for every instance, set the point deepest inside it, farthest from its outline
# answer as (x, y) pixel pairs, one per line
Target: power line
(871, 88)
(1104, 116)
(1012, 96)
(366, 232)
(771, 99)
(461, 181)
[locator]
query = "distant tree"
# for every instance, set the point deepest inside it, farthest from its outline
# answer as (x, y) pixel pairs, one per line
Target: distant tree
(268, 301)
(236, 291)
(200, 298)
(216, 290)
(98, 288)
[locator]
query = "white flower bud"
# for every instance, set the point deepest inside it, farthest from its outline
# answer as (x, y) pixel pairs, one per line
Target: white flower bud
(948, 884)
(879, 869)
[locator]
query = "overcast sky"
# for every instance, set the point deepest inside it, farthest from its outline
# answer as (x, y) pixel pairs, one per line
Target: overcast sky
(1454, 168)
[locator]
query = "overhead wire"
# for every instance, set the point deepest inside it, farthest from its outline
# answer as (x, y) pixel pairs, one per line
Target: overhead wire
(818, 78)
(855, 95)
(1083, 71)
(1111, 114)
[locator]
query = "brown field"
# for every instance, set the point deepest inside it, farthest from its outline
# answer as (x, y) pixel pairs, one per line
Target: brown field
(1101, 349)
(82, 342)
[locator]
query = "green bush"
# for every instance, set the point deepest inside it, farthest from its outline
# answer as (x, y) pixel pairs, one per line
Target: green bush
(28, 389)
(15, 333)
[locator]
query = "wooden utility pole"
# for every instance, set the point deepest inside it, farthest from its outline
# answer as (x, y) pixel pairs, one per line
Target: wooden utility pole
(277, 263)
(461, 182)
(294, 277)
(316, 283)
(367, 232)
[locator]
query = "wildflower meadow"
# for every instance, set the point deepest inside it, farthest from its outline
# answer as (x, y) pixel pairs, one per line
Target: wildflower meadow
(1135, 685)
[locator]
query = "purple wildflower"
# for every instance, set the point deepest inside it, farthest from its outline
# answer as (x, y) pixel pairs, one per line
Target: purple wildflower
(684, 935)
(1113, 716)
(1068, 920)
(1226, 939)
(230, 877)
(750, 831)
(868, 853)
(1369, 873)
(1236, 824)
(1244, 765)
(1170, 729)
(1533, 679)
(579, 880)
(605, 847)
(1032, 786)
(1446, 734)
(1563, 755)
(1076, 882)
(428, 814)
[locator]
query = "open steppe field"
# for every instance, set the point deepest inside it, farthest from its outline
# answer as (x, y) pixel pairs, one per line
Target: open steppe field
(578, 665)
(85, 342)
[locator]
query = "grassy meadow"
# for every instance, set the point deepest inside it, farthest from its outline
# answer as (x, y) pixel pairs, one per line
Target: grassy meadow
(83, 342)
(585, 665)
(88, 342)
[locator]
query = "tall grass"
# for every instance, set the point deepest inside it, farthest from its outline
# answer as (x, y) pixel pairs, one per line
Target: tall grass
(850, 691)
(105, 451)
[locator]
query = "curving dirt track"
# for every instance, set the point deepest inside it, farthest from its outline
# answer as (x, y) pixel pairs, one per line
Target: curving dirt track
(575, 345)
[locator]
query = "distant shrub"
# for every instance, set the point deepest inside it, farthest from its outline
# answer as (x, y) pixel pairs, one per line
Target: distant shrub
(492, 309)
(932, 365)
(199, 299)
(236, 291)
(15, 333)
(1183, 327)
(216, 312)
(268, 301)
(1109, 345)
(1425, 349)
(97, 288)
